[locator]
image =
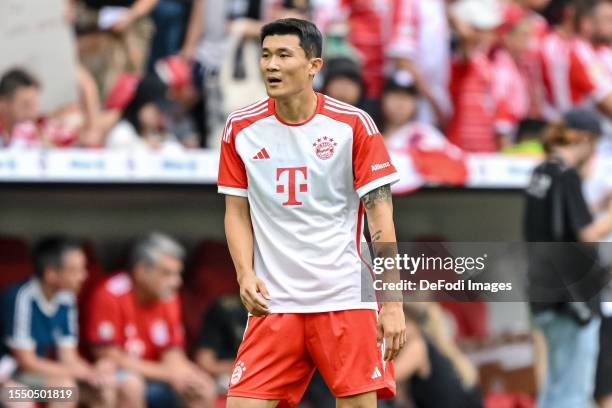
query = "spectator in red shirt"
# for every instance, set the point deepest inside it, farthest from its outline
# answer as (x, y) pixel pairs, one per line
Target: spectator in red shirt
(572, 72)
(510, 73)
(433, 159)
(134, 319)
(21, 123)
(472, 125)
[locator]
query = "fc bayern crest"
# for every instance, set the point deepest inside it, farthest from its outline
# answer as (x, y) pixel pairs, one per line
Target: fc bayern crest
(324, 147)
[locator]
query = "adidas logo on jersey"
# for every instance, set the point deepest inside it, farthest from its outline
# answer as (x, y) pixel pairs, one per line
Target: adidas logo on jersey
(376, 373)
(380, 166)
(261, 155)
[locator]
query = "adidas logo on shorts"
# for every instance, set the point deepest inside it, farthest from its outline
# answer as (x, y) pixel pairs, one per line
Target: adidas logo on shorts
(376, 373)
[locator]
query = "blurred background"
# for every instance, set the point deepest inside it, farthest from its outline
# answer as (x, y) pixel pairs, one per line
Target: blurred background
(111, 113)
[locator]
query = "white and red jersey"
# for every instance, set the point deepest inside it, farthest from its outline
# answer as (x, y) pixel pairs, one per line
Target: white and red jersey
(304, 183)
(510, 92)
(572, 74)
(115, 317)
(472, 125)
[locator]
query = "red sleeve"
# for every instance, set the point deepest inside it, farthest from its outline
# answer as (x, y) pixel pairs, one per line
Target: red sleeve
(232, 177)
(103, 324)
(175, 323)
(581, 83)
(372, 165)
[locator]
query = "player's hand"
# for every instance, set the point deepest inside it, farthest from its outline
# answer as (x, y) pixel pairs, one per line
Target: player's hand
(255, 296)
(391, 328)
(123, 23)
(104, 373)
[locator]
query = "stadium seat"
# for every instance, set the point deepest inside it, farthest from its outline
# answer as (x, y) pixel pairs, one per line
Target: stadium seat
(15, 261)
(210, 275)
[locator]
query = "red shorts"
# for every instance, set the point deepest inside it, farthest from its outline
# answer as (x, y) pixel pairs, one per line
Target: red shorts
(280, 352)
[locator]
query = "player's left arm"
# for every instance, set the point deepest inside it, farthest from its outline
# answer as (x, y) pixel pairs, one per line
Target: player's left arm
(391, 322)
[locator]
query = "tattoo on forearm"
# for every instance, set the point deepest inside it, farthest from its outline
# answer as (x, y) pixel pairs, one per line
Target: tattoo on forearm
(376, 236)
(382, 193)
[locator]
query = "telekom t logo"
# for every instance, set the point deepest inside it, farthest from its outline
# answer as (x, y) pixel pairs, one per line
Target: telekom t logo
(291, 181)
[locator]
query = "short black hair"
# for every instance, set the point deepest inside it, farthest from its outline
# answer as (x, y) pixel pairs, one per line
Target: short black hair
(311, 39)
(393, 85)
(50, 251)
(554, 12)
(14, 79)
(150, 89)
(342, 67)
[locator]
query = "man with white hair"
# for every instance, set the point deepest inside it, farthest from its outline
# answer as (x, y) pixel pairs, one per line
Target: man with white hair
(135, 320)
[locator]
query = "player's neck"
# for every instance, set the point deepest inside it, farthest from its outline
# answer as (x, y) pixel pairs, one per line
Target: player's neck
(297, 108)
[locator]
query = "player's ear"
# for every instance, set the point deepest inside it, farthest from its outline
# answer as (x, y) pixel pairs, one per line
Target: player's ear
(315, 66)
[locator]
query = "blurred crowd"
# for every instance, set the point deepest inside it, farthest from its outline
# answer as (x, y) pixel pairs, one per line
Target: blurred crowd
(486, 75)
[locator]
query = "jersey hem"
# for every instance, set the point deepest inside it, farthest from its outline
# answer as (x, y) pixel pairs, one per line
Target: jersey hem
(234, 191)
(324, 309)
(374, 184)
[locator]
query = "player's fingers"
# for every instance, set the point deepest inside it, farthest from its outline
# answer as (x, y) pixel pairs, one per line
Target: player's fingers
(255, 305)
(249, 303)
(261, 286)
(379, 333)
(389, 352)
(402, 339)
(259, 300)
(259, 304)
(397, 346)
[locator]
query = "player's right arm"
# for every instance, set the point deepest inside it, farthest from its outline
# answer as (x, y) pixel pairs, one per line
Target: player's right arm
(239, 233)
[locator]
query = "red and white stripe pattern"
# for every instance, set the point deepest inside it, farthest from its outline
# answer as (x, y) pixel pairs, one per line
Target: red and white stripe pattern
(254, 109)
(402, 29)
(555, 66)
(336, 106)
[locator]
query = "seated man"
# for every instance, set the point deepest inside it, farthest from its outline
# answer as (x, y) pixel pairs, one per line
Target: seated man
(134, 319)
(39, 319)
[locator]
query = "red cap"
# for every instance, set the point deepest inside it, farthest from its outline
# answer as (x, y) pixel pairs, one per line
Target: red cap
(174, 71)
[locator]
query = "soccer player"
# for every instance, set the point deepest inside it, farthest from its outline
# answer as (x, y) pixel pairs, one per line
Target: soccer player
(299, 170)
